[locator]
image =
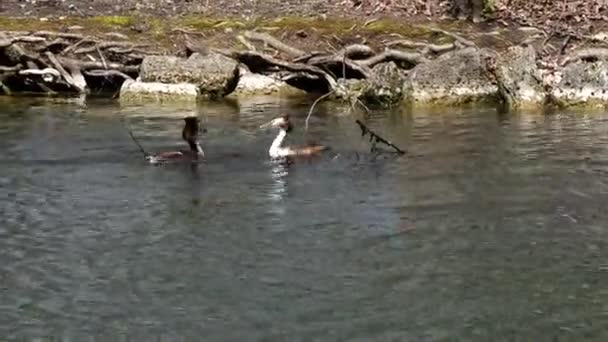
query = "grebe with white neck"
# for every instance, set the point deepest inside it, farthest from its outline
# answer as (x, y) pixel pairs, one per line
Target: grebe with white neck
(277, 148)
(190, 136)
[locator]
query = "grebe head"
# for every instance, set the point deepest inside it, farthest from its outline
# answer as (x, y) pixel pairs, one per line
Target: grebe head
(281, 122)
(191, 128)
(190, 134)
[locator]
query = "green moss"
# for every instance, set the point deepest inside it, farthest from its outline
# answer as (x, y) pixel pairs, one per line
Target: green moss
(489, 7)
(113, 20)
(23, 24)
(160, 27)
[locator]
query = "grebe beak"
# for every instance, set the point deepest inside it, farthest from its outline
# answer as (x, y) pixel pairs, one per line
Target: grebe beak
(273, 123)
(268, 124)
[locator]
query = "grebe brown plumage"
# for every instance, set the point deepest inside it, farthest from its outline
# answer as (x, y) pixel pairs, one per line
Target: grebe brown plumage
(277, 150)
(190, 135)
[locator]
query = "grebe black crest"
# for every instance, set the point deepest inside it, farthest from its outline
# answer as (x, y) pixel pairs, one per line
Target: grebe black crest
(190, 135)
(278, 150)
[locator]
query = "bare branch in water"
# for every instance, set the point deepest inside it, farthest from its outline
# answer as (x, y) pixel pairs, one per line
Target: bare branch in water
(375, 138)
(313, 107)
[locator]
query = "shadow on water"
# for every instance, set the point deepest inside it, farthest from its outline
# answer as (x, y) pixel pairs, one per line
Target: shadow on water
(492, 227)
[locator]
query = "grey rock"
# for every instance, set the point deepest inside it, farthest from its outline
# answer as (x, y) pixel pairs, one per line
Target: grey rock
(215, 75)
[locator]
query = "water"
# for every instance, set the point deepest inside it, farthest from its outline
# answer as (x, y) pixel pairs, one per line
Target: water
(493, 227)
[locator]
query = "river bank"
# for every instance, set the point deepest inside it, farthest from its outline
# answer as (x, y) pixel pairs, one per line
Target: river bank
(368, 60)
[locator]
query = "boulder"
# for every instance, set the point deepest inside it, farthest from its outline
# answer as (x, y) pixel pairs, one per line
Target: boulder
(385, 87)
(350, 89)
(251, 84)
(453, 78)
(137, 91)
(519, 80)
(582, 84)
(214, 74)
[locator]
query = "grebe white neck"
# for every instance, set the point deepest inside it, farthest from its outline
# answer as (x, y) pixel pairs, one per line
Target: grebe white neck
(276, 149)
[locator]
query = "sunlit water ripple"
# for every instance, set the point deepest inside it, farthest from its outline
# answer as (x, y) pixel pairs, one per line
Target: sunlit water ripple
(492, 227)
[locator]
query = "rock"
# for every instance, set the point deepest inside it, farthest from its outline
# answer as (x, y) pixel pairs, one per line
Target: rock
(519, 80)
(453, 78)
(137, 91)
(350, 90)
(140, 27)
(582, 84)
(257, 84)
(385, 88)
(214, 74)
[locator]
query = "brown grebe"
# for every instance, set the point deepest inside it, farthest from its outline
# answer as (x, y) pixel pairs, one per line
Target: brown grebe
(277, 150)
(190, 135)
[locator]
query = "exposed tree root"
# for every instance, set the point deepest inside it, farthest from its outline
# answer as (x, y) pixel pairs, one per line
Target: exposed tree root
(50, 61)
(394, 56)
(341, 66)
(60, 60)
(257, 62)
(319, 70)
(274, 43)
(426, 47)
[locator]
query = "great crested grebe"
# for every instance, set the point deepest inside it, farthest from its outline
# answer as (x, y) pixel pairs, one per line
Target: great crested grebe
(190, 135)
(277, 150)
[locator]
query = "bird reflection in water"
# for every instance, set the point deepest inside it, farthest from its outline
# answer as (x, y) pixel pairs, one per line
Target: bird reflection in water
(279, 169)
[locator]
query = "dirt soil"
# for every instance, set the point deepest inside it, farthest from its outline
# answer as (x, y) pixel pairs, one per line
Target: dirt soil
(213, 8)
(567, 15)
(308, 24)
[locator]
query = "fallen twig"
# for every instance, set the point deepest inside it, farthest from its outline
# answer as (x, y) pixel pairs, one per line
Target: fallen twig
(246, 43)
(564, 45)
(591, 53)
(456, 37)
(275, 43)
(75, 45)
(10, 69)
(58, 34)
(184, 31)
(6, 42)
(5, 88)
(66, 76)
(107, 73)
(103, 60)
(84, 65)
(48, 74)
(107, 45)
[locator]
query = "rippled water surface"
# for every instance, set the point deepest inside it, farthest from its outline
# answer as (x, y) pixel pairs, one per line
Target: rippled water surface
(494, 227)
